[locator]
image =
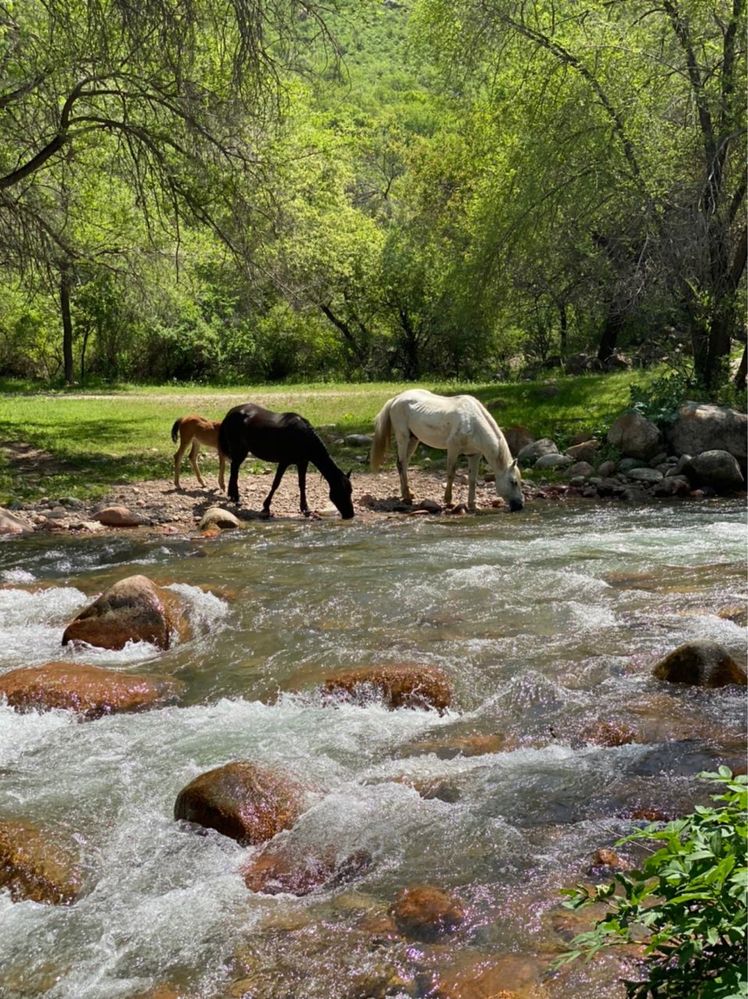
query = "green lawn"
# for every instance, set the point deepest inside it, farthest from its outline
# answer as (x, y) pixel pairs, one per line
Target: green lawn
(80, 443)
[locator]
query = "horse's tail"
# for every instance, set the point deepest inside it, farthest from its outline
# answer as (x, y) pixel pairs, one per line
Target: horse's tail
(175, 429)
(382, 433)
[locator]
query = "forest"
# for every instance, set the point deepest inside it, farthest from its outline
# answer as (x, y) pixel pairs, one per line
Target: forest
(234, 191)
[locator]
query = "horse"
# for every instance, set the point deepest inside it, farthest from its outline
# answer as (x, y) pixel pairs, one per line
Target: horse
(196, 430)
(285, 438)
(460, 424)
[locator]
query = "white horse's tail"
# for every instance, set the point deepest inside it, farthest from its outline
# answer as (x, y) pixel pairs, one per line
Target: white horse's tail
(382, 433)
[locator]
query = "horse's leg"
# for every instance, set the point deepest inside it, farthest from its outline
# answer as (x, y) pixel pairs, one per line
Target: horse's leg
(234, 477)
(193, 461)
(222, 471)
(276, 482)
(473, 462)
(403, 453)
(452, 457)
(178, 455)
(302, 467)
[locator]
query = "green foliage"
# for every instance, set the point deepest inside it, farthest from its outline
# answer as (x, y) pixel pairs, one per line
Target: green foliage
(659, 401)
(687, 904)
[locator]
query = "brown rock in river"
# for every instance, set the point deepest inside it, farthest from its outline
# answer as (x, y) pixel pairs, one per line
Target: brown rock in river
(701, 664)
(486, 976)
(246, 801)
(273, 872)
(132, 610)
(35, 865)
(90, 690)
(400, 686)
(426, 913)
(604, 733)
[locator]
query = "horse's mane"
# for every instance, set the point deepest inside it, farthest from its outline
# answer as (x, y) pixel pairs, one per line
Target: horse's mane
(504, 452)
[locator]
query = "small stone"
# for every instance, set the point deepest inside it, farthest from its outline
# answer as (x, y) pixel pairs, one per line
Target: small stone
(120, 516)
(427, 913)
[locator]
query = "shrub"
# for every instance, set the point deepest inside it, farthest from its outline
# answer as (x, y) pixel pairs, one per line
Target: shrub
(687, 904)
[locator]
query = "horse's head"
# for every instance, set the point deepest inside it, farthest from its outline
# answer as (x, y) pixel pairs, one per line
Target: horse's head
(509, 486)
(341, 492)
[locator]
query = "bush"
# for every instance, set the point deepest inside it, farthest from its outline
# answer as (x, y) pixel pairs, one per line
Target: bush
(687, 903)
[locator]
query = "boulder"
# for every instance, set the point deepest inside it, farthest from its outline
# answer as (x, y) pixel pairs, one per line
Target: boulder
(607, 468)
(216, 516)
(475, 975)
(717, 469)
(577, 364)
(580, 470)
(701, 664)
(673, 485)
(449, 745)
(635, 435)
(121, 516)
(602, 733)
(518, 437)
(646, 475)
(529, 454)
(553, 462)
(36, 865)
(276, 872)
(705, 427)
(132, 610)
(358, 440)
(91, 691)
(245, 801)
(426, 913)
(398, 686)
(737, 613)
(585, 451)
(11, 524)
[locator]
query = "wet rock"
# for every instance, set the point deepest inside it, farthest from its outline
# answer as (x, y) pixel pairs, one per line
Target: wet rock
(426, 913)
(486, 976)
(428, 506)
(245, 801)
(553, 462)
(12, 524)
(584, 451)
(737, 613)
(646, 475)
(517, 437)
(605, 861)
(529, 454)
(36, 865)
(91, 691)
(672, 485)
(701, 664)
(717, 469)
(279, 871)
(602, 733)
(120, 516)
(449, 745)
(635, 435)
(704, 427)
(431, 788)
(216, 516)
(400, 686)
(132, 610)
(648, 814)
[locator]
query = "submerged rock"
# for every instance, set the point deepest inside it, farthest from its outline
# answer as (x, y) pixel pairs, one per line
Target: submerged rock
(400, 686)
(700, 664)
(91, 691)
(475, 975)
(245, 801)
(216, 516)
(132, 610)
(274, 872)
(602, 733)
(426, 913)
(35, 865)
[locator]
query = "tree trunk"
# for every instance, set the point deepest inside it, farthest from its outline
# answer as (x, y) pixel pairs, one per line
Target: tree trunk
(740, 374)
(67, 324)
(563, 330)
(611, 329)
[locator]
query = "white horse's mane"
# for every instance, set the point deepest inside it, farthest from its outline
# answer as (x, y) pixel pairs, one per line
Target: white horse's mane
(504, 453)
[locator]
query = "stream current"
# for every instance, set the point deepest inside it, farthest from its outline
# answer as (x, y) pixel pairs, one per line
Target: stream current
(547, 622)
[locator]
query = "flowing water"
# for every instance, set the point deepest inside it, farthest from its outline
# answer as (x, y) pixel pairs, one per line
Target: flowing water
(546, 621)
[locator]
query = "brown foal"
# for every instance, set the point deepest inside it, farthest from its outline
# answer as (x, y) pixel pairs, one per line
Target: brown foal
(195, 430)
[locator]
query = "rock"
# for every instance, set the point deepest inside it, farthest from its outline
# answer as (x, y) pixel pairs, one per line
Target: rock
(447, 746)
(531, 452)
(737, 613)
(673, 485)
(429, 506)
(702, 664)
(649, 475)
(635, 435)
(426, 913)
(245, 801)
(548, 391)
(517, 437)
(717, 469)
(358, 440)
(606, 469)
(120, 516)
(486, 976)
(399, 686)
(616, 362)
(704, 427)
(580, 470)
(577, 364)
(430, 788)
(585, 451)
(91, 691)
(11, 524)
(602, 733)
(36, 865)
(275, 872)
(216, 516)
(132, 610)
(553, 462)
(605, 860)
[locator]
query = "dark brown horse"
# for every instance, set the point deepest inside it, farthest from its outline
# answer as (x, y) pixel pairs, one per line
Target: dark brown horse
(288, 439)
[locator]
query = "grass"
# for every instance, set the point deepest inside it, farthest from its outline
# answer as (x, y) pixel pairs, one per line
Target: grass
(83, 442)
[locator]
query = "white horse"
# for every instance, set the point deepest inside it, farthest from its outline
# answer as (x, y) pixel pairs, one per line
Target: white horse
(459, 423)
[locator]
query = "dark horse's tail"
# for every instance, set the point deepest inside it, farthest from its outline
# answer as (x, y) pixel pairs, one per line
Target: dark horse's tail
(175, 430)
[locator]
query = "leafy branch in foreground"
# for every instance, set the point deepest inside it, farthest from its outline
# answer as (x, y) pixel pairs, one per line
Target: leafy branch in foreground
(687, 904)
